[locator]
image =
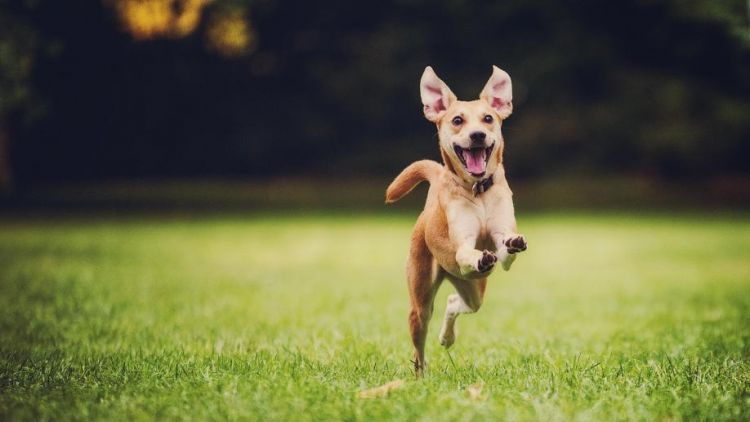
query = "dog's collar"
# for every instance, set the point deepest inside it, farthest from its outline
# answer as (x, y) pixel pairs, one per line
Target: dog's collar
(482, 186)
(477, 188)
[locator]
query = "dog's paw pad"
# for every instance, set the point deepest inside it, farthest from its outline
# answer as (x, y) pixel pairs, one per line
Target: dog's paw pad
(516, 244)
(487, 261)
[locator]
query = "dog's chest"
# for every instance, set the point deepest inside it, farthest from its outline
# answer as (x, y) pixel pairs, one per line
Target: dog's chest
(483, 212)
(472, 215)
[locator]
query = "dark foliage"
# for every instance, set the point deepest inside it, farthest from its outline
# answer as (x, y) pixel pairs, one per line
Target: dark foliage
(655, 88)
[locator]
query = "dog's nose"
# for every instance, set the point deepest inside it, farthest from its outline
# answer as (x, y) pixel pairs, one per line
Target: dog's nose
(477, 137)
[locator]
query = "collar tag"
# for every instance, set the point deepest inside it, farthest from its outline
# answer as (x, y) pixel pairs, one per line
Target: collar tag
(481, 186)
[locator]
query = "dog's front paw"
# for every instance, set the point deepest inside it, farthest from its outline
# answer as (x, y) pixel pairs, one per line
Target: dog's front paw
(516, 244)
(486, 262)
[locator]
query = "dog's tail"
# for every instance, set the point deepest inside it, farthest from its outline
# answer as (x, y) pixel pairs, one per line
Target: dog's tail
(413, 175)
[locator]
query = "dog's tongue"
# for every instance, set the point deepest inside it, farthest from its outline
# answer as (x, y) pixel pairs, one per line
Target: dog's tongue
(474, 159)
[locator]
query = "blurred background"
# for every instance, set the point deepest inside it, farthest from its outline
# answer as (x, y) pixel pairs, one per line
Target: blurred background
(267, 102)
(192, 217)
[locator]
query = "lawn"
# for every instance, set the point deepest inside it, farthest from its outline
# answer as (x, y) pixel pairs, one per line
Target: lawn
(282, 316)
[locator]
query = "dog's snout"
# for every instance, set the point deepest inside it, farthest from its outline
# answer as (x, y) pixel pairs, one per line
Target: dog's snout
(477, 137)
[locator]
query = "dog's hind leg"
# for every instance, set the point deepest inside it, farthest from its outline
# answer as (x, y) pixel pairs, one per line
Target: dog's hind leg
(424, 278)
(467, 299)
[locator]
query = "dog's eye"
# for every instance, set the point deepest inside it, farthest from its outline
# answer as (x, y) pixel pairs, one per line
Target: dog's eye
(458, 121)
(488, 118)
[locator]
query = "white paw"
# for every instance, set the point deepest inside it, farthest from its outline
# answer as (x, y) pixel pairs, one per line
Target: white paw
(448, 331)
(447, 337)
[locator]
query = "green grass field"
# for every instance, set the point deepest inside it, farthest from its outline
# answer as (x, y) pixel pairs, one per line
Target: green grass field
(288, 317)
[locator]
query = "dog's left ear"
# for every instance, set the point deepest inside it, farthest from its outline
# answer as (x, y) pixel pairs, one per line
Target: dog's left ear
(499, 92)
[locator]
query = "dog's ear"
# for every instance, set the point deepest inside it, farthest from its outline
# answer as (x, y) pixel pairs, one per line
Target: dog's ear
(499, 92)
(436, 96)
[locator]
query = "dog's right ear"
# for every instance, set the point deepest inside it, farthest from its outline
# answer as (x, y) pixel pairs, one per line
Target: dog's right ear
(436, 96)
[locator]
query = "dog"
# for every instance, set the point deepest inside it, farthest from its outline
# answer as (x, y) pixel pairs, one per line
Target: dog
(468, 223)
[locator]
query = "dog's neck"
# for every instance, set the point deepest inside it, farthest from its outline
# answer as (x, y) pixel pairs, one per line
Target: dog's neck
(476, 188)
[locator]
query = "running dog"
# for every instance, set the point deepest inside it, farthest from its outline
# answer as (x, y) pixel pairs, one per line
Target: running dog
(468, 223)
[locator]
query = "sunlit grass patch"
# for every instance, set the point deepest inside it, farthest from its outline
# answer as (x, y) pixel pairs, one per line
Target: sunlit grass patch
(288, 317)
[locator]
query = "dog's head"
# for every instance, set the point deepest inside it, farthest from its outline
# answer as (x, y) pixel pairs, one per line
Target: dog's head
(471, 140)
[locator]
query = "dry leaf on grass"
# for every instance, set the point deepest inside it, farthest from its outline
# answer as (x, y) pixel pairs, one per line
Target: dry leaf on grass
(381, 391)
(475, 391)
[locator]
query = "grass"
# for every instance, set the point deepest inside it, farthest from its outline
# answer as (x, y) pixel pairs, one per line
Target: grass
(288, 317)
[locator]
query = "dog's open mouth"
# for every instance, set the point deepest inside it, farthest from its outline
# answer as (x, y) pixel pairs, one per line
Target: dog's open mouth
(474, 159)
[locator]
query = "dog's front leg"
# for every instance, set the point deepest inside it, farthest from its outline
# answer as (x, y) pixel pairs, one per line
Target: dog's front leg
(504, 234)
(506, 259)
(464, 230)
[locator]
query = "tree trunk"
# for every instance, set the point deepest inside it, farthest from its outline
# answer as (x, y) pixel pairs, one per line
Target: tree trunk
(6, 173)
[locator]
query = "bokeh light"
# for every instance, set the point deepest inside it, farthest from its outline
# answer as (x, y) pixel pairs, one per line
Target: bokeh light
(229, 33)
(149, 19)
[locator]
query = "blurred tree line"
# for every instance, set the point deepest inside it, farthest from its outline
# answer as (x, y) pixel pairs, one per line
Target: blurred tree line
(169, 88)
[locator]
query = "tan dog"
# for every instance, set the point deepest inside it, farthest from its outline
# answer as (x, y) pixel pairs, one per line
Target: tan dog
(468, 223)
